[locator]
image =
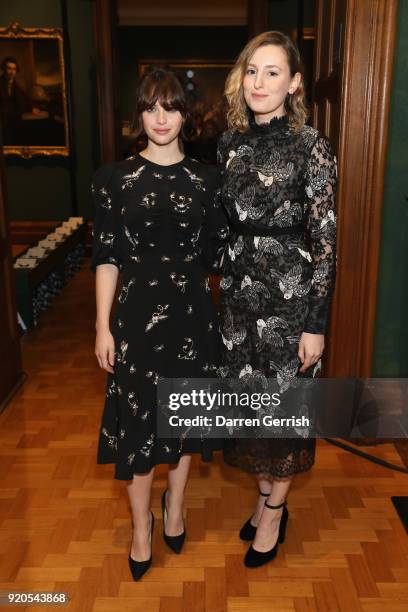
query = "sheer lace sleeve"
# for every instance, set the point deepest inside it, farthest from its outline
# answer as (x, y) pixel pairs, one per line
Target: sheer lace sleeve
(107, 224)
(321, 184)
(222, 151)
(215, 226)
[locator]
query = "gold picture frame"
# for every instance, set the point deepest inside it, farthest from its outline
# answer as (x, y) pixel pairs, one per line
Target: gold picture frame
(33, 92)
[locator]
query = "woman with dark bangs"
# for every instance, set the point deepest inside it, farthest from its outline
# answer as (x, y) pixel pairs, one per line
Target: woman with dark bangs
(278, 188)
(158, 221)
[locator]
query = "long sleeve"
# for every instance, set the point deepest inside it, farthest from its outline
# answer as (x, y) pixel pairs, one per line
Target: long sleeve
(321, 184)
(107, 230)
(222, 147)
(215, 227)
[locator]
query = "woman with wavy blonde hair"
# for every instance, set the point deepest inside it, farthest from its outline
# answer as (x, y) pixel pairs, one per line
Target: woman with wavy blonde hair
(294, 104)
(278, 186)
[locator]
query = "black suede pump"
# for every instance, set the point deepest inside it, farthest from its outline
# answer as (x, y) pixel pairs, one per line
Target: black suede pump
(139, 568)
(173, 542)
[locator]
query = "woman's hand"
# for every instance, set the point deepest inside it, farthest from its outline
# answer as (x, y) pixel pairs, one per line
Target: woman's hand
(311, 347)
(105, 349)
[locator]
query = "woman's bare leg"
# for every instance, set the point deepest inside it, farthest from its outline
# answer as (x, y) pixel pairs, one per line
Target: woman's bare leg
(139, 492)
(264, 486)
(268, 527)
(177, 480)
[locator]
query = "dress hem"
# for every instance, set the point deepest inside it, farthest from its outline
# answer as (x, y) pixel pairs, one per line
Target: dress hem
(247, 468)
(120, 475)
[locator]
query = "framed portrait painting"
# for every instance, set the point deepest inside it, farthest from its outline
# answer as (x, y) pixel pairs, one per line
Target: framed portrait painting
(33, 98)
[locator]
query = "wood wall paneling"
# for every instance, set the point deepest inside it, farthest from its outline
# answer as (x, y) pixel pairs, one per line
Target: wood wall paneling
(257, 17)
(352, 98)
(105, 26)
(183, 12)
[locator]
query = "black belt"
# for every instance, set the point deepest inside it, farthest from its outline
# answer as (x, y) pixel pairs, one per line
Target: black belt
(244, 229)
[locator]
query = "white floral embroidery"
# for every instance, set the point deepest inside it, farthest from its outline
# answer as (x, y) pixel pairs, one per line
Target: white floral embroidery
(130, 179)
(148, 445)
(121, 356)
(132, 401)
(107, 238)
(158, 315)
(180, 280)
(149, 200)
(197, 181)
(111, 440)
(181, 202)
(132, 239)
(187, 350)
(111, 390)
(124, 292)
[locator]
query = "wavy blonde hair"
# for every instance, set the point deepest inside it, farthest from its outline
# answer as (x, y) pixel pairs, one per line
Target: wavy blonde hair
(295, 106)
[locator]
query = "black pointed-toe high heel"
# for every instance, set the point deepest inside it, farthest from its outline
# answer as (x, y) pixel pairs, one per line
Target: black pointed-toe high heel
(255, 558)
(139, 568)
(248, 530)
(173, 542)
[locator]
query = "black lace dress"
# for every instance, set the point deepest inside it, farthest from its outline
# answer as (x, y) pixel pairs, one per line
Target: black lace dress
(165, 230)
(278, 188)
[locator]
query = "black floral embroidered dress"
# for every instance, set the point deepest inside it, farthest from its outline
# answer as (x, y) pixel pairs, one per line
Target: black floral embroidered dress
(163, 227)
(278, 189)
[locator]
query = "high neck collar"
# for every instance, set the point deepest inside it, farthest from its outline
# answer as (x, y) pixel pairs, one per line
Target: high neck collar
(275, 125)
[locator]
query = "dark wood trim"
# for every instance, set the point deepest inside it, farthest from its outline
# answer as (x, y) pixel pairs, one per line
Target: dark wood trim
(10, 349)
(369, 40)
(72, 157)
(105, 24)
(257, 17)
(7, 399)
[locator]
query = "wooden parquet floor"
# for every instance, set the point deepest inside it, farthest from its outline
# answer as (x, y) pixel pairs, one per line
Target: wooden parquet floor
(65, 522)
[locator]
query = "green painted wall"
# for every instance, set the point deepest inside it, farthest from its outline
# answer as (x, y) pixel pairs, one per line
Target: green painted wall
(391, 334)
(40, 188)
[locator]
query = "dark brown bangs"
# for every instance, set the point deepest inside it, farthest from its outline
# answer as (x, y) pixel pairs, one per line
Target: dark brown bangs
(161, 86)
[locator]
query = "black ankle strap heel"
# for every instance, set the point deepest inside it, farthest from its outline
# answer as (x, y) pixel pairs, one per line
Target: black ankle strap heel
(248, 530)
(275, 507)
(255, 558)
